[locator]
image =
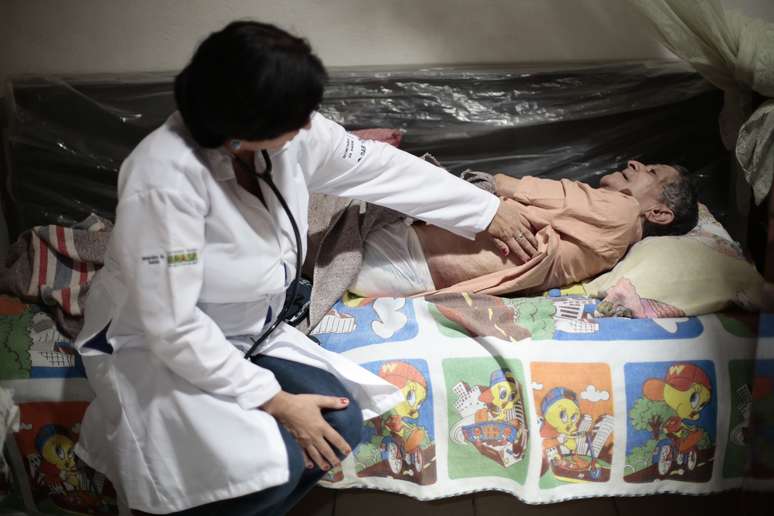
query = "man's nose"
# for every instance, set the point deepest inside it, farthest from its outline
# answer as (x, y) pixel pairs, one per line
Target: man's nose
(634, 165)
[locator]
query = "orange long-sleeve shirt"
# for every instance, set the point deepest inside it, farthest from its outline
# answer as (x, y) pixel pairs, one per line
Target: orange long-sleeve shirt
(581, 232)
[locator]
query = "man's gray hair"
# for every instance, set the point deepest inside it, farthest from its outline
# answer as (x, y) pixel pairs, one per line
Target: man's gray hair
(680, 196)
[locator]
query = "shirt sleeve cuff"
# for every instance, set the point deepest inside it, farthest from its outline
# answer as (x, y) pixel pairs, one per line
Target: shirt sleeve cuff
(253, 400)
(487, 214)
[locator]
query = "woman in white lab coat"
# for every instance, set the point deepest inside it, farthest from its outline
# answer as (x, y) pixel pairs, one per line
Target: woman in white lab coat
(197, 269)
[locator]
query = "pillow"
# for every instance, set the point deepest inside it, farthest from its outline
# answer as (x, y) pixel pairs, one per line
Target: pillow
(701, 272)
(390, 136)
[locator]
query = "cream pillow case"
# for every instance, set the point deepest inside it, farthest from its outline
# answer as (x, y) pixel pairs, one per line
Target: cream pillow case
(701, 272)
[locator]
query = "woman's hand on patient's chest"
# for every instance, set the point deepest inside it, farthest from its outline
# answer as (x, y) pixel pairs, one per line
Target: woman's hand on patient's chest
(512, 231)
(301, 414)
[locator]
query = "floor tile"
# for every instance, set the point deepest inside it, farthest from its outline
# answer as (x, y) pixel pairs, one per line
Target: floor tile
(496, 504)
(319, 502)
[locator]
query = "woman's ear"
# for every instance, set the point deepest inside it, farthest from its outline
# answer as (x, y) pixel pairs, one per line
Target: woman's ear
(659, 214)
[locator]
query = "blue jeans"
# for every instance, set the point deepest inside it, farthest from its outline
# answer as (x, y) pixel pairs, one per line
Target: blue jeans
(294, 378)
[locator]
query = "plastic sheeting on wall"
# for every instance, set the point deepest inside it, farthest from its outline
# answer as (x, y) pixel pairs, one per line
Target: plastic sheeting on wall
(67, 137)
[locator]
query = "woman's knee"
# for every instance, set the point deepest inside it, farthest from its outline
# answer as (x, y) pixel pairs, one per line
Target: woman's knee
(347, 422)
(296, 463)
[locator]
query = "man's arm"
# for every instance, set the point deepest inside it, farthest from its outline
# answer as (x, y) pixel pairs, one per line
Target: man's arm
(575, 262)
(506, 186)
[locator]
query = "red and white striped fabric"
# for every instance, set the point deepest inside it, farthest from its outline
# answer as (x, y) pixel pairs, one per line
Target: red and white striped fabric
(60, 271)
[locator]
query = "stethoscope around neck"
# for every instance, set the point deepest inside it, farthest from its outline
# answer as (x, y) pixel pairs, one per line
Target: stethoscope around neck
(292, 291)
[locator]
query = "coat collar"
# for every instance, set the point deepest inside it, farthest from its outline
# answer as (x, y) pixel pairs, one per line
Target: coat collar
(219, 160)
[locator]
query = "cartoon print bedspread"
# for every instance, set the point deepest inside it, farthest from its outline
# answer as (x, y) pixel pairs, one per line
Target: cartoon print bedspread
(42, 368)
(546, 402)
(538, 398)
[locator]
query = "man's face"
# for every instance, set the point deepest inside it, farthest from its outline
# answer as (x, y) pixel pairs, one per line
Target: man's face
(643, 182)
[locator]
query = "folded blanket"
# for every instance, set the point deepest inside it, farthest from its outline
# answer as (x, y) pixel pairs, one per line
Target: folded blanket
(337, 232)
(54, 265)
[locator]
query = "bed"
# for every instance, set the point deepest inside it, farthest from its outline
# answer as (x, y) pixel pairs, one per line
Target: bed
(491, 383)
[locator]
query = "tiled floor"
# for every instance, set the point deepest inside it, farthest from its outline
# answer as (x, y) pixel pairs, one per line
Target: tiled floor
(325, 502)
(387, 504)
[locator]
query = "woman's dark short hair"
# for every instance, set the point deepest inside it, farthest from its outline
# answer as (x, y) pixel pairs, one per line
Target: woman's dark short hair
(681, 197)
(249, 81)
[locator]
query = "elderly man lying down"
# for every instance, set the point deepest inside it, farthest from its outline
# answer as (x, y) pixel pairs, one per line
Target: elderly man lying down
(580, 232)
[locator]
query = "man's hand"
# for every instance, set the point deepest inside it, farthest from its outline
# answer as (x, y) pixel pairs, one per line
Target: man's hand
(512, 231)
(301, 414)
(506, 186)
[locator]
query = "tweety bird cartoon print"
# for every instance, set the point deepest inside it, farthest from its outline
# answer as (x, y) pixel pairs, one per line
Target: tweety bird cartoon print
(488, 427)
(672, 412)
(60, 481)
(575, 407)
(400, 443)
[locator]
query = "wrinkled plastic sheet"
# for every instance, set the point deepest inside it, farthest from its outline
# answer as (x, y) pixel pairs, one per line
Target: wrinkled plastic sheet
(68, 135)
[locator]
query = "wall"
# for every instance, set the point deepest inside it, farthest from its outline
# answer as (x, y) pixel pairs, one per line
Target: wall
(763, 9)
(150, 35)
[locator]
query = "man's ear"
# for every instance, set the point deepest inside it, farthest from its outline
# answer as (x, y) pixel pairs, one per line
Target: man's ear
(659, 214)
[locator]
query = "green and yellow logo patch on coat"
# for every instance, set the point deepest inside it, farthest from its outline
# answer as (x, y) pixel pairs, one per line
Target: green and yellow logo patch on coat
(189, 257)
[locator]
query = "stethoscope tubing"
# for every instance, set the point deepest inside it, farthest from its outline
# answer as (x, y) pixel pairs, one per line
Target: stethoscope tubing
(291, 294)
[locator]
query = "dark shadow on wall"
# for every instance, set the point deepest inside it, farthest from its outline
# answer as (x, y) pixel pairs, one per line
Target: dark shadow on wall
(3, 178)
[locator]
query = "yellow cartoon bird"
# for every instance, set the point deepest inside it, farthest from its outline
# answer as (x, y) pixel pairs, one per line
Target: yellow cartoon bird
(561, 415)
(56, 449)
(501, 396)
(413, 386)
(687, 390)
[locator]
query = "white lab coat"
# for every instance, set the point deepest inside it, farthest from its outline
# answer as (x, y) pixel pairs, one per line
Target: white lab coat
(194, 266)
